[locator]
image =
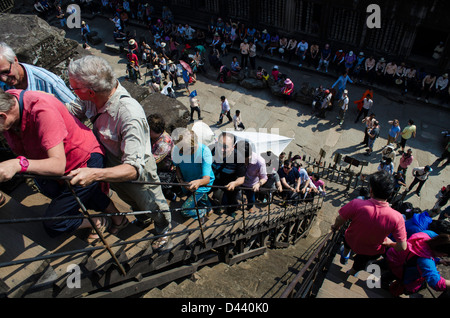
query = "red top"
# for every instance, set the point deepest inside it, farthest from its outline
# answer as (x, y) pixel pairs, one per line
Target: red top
(133, 57)
(45, 123)
(371, 222)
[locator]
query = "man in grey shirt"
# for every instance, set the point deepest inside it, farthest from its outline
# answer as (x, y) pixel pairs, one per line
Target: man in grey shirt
(120, 125)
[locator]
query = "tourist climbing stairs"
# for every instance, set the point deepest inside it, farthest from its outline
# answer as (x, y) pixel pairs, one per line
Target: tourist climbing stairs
(367, 284)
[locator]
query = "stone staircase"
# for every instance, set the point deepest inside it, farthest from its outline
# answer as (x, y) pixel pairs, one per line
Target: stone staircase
(338, 284)
(28, 240)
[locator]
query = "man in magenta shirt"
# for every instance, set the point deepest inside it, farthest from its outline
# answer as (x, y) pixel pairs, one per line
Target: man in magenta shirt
(371, 222)
(52, 142)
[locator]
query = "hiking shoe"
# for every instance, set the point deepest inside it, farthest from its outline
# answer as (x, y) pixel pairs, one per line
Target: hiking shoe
(344, 259)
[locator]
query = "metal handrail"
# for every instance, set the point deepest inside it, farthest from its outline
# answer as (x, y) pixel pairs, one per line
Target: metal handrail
(329, 242)
(108, 246)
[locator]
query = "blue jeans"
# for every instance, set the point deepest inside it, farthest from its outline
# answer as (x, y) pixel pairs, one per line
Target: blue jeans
(64, 204)
(251, 198)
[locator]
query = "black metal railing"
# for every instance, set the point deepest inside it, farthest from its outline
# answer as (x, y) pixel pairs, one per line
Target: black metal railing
(302, 284)
(6, 5)
(272, 211)
(337, 173)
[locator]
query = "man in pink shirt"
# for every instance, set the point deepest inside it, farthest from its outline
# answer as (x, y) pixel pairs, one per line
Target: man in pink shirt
(371, 222)
(405, 161)
(52, 142)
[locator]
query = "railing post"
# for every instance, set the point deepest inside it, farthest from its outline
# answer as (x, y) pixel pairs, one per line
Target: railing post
(94, 226)
(243, 209)
(350, 178)
(198, 217)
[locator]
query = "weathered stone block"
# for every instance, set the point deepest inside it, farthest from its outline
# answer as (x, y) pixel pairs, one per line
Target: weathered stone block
(252, 83)
(174, 112)
(138, 92)
(36, 42)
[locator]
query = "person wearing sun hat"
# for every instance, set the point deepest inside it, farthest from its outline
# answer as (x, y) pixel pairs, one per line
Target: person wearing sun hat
(172, 69)
(133, 46)
(349, 60)
(359, 66)
(156, 73)
(379, 69)
(287, 90)
(343, 106)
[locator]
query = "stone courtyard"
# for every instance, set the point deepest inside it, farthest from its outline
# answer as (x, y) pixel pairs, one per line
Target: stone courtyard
(260, 109)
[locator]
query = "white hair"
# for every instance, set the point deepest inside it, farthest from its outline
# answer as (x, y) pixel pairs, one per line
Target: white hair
(7, 101)
(94, 72)
(7, 52)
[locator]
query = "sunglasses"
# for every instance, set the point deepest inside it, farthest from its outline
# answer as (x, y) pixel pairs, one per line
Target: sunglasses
(77, 88)
(6, 73)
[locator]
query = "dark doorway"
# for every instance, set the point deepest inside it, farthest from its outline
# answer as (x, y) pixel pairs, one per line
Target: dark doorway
(426, 40)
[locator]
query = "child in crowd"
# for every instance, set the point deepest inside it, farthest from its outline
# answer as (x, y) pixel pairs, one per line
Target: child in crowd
(318, 183)
(276, 73)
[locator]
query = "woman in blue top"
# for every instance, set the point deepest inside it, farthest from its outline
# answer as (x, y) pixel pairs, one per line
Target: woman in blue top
(193, 163)
(341, 83)
(394, 131)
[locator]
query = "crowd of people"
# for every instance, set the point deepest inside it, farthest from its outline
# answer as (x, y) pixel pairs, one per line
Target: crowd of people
(251, 43)
(48, 134)
(168, 52)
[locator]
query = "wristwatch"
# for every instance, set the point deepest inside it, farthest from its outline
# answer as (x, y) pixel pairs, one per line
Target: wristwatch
(23, 163)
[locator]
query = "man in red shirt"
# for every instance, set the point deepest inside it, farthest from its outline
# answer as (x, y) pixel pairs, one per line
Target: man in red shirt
(371, 222)
(52, 142)
(132, 58)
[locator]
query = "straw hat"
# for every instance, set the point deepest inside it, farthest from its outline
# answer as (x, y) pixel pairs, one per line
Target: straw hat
(131, 42)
